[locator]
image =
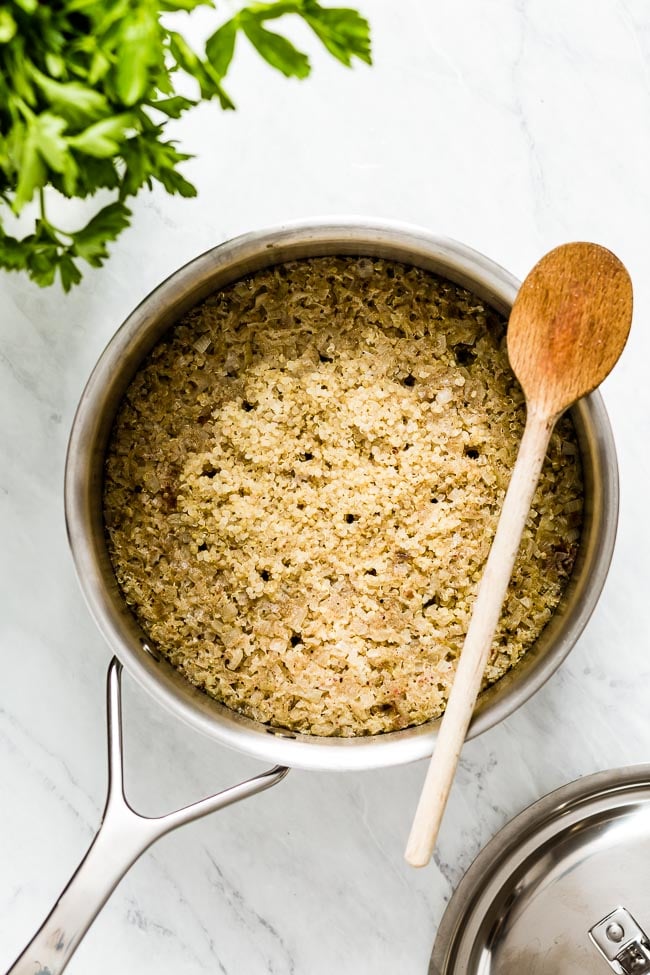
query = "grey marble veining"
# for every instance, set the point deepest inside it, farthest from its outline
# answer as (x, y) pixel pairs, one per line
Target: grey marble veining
(509, 124)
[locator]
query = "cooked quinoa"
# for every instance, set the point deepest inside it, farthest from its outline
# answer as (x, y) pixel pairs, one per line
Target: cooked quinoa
(302, 487)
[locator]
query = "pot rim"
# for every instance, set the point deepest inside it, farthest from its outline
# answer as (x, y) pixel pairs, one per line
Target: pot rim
(185, 287)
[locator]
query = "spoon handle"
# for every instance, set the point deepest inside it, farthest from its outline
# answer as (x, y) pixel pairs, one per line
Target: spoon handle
(478, 641)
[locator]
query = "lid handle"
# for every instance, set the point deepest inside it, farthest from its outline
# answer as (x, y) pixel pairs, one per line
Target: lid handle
(622, 943)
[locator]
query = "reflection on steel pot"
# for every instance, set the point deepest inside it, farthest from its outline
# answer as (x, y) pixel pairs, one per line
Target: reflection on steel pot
(561, 890)
(122, 830)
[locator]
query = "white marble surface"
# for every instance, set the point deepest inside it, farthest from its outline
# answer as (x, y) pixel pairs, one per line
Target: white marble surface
(509, 124)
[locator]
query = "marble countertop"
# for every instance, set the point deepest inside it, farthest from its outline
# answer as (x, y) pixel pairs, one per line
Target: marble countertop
(512, 125)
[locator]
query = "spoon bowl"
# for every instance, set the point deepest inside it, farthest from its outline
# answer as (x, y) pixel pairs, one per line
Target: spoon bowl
(568, 325)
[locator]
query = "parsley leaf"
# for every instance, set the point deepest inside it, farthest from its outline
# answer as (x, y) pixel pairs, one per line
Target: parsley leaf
(7, 26)
(277, 50)
(13, 253)
(220, 48)
(344, 32)
(90, 242)
(103, 139)
(31, 168)
(71, 100)
(69, 272)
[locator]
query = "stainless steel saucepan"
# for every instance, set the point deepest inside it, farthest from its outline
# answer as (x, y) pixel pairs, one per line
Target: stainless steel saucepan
(124, 834)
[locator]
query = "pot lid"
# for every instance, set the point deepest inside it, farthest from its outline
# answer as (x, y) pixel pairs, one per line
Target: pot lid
(563, 889)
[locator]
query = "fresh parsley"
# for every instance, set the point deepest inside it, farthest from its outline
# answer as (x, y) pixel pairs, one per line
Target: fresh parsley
(86, 90)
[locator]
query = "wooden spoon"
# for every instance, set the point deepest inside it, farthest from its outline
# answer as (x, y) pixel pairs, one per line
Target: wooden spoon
(567, 328)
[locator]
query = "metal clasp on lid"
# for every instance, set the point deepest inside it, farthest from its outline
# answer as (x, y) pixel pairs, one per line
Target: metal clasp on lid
(622, 943)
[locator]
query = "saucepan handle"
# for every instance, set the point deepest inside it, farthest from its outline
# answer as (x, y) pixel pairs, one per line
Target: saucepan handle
(123, 835)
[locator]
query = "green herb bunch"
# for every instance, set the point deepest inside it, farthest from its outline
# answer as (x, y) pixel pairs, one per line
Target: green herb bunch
(86, 90)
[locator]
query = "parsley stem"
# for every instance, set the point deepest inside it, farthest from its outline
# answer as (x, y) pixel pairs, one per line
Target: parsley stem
(46, 222)
(23, 108)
